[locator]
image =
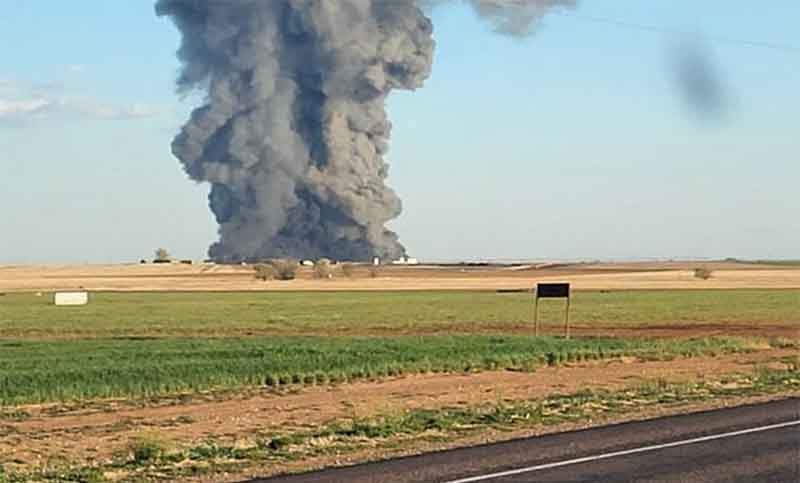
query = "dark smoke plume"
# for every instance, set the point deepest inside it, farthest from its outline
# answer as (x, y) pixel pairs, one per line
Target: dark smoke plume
(293, 132)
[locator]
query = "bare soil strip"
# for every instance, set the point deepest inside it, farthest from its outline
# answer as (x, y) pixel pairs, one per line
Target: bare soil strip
(758, 330)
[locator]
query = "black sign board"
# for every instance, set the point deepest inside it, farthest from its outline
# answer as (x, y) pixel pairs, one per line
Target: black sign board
(552, 290)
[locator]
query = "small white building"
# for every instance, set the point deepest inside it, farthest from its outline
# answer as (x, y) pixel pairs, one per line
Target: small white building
(406, 261)
(71, 298)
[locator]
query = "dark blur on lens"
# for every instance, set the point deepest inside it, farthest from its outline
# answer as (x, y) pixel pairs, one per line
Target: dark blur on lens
(699, 81)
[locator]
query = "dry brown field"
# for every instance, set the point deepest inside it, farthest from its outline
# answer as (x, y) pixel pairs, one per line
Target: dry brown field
(210, 277)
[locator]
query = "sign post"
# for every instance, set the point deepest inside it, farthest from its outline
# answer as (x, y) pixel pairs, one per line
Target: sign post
(551, 291)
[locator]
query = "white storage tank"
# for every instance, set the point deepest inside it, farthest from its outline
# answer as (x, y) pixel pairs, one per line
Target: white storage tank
(72, 298)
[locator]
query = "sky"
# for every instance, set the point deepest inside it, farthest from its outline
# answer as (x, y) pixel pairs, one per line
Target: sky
(576, 142)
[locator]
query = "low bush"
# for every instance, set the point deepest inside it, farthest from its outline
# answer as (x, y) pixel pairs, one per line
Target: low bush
(285, 269)
(348, 269)
(264, 271)
(162, 256)
(703, 273)
(148, 449)
(323, 269)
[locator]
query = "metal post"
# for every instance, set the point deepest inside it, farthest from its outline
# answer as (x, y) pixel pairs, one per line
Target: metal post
(536, 314)
(566, 319)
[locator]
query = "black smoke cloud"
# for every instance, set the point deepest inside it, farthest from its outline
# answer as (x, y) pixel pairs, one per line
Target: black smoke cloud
(293, 132)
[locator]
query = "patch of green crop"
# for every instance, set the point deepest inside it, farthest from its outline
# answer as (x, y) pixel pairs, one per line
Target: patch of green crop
(13, 414)
(75, 370)
(57, 475)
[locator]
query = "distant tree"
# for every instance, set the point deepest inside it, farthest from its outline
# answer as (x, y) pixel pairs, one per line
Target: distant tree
(703, 273)
(162, 256)
(285, 269)
(323, 268)
(348, 270)
(264, 271)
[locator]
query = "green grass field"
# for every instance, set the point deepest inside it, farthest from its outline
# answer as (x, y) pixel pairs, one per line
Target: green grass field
(150, 344)
(384, 313)
(84, 369)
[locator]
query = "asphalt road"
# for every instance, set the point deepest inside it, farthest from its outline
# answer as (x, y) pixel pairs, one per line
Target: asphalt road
(758, 443)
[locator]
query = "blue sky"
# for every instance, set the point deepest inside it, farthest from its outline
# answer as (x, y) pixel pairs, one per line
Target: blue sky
(573, 143)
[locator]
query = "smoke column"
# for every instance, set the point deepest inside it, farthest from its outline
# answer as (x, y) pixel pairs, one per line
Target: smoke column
(293, 132)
